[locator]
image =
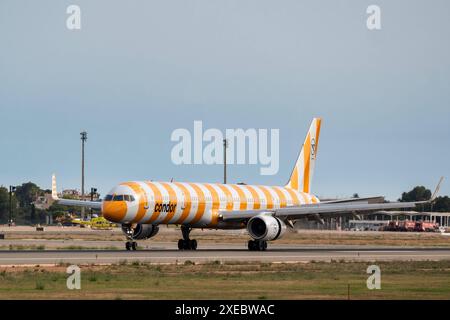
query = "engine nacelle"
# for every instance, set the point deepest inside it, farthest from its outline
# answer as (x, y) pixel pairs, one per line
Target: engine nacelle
(143, 231)
(265, 228)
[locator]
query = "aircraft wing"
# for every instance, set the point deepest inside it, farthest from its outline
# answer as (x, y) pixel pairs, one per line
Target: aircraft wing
(376, 199)
(318, 211)
(71, 202)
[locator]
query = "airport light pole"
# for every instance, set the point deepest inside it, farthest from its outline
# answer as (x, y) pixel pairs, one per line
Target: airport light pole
(11, 190)
(225, 146)
(83, 140)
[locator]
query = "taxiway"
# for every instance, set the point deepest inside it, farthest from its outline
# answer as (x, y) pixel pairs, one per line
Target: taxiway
(167, 253)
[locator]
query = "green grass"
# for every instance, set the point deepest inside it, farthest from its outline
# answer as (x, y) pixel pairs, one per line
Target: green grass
(319, 280)
(22, 247)
(40, 286)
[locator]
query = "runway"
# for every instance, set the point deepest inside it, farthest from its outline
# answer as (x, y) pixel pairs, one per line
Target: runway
(166, 253)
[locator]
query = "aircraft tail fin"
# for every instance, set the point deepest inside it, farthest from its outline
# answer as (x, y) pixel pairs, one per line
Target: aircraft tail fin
(303, 171)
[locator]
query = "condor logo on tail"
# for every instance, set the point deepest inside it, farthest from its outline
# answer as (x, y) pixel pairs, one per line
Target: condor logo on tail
(165, 207)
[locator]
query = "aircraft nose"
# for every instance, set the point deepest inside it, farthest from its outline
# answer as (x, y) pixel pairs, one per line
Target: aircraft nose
(114, 211)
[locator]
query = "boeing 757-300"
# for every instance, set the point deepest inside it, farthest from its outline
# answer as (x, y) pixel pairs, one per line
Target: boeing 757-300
(264, 211)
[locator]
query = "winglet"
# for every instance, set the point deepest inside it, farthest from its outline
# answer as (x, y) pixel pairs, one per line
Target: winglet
(436, 191)
(54, 192)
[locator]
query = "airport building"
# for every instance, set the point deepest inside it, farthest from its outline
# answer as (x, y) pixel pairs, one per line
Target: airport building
(376, 220)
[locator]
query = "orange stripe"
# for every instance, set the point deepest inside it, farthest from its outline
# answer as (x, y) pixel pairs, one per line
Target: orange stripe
(172, 199)
(201, 203)
(187, 203)
(214, 218)
(228, 195)
(269, 197)
(294, 179)
(143, 202)
(214, 195)
(215, 204)
(306, 161)
(158, 198)
(319, 122)
(283, 201)
(256, 200)
(243, 200)
(293, 194)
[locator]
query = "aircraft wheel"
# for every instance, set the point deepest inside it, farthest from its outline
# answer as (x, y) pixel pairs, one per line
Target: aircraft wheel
(134, 246)
(128, 246)
(255, 245)
(181, 244)
(252, 245)
(262, 245)
(187, 244)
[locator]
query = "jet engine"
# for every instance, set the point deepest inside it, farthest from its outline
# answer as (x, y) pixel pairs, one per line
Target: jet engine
(265, 228)
(143, 231)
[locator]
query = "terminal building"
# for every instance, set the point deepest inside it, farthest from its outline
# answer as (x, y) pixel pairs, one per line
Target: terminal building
(376, 220)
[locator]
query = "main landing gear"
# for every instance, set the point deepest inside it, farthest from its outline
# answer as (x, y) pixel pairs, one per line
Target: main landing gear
(130, 244)
(257, 245)
(186, 243)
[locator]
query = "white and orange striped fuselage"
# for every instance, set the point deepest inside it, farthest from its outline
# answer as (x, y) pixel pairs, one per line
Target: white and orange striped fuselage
(193, 204)
(199, 204)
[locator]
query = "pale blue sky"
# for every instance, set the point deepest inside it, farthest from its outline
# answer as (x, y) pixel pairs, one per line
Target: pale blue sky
(137, 70)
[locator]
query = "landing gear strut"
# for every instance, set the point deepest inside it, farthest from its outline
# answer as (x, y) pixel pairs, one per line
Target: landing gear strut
(257, 245)
(186, 243)
(130, 244)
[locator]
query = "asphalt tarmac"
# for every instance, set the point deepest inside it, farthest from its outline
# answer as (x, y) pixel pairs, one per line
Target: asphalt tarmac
(168, 253)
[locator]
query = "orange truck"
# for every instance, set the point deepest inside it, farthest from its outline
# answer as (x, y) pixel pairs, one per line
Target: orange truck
(407, 225)
(423, 226)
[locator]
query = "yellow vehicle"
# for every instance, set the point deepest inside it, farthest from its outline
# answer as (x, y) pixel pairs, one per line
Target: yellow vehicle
(97, 223)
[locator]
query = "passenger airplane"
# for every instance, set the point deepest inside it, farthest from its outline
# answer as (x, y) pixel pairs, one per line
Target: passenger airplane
(265, 211)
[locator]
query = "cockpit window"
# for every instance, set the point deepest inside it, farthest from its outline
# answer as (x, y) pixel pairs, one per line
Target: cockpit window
(128, 197)
(118, 197)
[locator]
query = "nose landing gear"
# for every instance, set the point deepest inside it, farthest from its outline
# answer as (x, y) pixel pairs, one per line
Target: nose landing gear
(130, 244)
(186, 243)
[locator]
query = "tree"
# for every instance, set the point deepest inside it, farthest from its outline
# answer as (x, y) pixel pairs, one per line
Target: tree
(59, 209)
(442, 204)
(27, 193)
(419, 193)
(4, 204)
